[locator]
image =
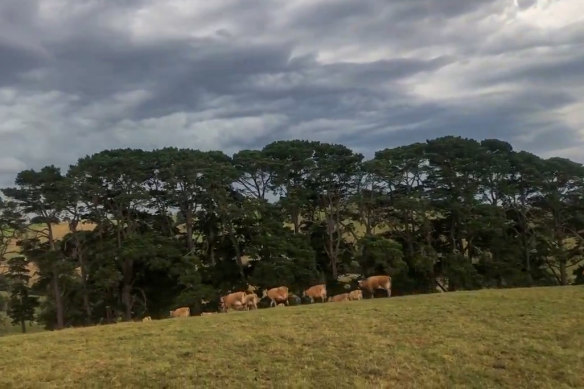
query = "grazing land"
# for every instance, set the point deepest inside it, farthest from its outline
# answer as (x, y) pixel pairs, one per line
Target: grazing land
(516, 338)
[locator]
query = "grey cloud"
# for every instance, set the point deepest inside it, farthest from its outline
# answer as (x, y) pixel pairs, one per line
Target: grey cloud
(232, 74)
(559, 71)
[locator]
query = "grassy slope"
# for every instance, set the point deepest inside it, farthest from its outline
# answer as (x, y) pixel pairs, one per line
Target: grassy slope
(490, 338)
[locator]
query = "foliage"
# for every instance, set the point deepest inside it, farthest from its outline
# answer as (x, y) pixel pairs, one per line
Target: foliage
(21, 306)
(181, 227)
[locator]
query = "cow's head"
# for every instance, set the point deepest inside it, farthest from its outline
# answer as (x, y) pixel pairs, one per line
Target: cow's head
(361, 283)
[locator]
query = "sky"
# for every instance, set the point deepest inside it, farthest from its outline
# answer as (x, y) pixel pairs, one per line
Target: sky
(81, 76)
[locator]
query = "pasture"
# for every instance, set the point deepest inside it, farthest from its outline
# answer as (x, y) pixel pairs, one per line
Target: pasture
(515, 338)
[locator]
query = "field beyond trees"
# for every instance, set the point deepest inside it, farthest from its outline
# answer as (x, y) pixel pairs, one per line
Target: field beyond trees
(512, 338)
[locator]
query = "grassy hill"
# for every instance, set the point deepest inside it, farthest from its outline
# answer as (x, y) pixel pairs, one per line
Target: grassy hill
(490, 338)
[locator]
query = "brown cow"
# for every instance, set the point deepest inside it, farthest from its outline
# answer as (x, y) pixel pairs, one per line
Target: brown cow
(376, 282)
(234, 300)
(316, 291)
(339, 298)
(277, 295)
(181, 312)
(355, 295)
(251, 301)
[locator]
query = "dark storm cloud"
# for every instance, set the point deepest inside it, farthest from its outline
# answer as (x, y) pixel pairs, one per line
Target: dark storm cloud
(559, 72)
(78, 77)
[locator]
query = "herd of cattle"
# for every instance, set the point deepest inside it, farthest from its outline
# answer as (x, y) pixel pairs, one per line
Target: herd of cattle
(246, 300)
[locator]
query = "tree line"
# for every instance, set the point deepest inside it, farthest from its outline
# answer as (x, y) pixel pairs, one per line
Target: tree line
(175, 227)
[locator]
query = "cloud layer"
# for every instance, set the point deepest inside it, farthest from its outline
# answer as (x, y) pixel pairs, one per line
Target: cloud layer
(79, 77)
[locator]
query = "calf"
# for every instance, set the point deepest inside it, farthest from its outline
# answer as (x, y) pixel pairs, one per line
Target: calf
(181, 312)
(147, 318)
(339, 298)
(355, 295)
(376, 282)
(251, 301)
(316, 291)
(277, 295)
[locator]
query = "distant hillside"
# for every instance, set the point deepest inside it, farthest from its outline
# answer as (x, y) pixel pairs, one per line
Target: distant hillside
(59, 231)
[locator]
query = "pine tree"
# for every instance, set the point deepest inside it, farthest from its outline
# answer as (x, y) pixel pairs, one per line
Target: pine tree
(20, 304)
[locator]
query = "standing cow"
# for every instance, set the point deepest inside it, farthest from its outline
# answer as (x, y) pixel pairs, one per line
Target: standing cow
(316, 291)
(376, 282)
(235, 300)
(277, 295)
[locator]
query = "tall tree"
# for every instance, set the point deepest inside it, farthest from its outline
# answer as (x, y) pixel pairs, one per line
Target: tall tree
(334, 176)
(523, 187)
(181, 175)
(400, 175)
(12, 225)
(563, 214)
(113, 185)
(42, 193)
(293, 165)
(256, 173)
(20, 304)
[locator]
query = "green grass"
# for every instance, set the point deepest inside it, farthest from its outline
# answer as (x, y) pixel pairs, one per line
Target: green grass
(7, 328)
(492, 338)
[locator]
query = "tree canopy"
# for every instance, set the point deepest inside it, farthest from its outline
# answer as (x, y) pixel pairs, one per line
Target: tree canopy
(179, 227)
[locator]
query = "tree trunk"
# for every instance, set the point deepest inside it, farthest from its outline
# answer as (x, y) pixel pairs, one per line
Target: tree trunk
(332, 254)
(329, 245)
(410, 245)
(237, 251)
(368, 228)
(210, 246)
(86, 305)
(127, 288)
(127, 301)
(79, 254)
(189, 226)
(55, 281)
(563, 271)
(296, 221)
(23, 326)
(334, 271)
(58, 302)
(528, 263)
